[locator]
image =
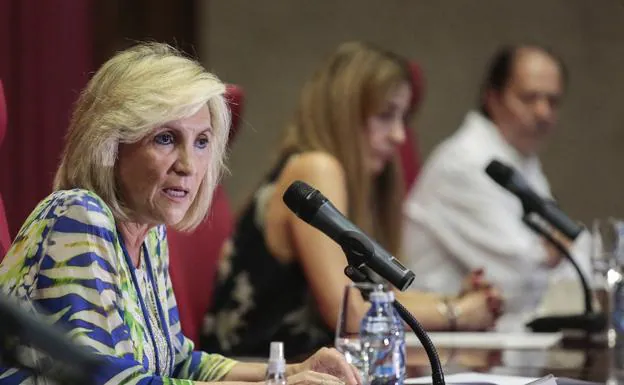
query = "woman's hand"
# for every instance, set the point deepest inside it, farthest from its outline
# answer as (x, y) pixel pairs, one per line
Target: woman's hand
(553, 255)
(310, 377)
(479, 304)
(325, 367)
(474, 281)
(478, 310)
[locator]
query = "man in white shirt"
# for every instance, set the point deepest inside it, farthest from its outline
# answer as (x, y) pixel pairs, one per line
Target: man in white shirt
(457, 219)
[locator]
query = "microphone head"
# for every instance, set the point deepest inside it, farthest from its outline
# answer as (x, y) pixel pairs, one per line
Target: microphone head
(303, 200)
(499, 172)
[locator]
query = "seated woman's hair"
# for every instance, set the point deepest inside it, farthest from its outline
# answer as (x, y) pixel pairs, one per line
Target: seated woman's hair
(134, 92)
(349, 87)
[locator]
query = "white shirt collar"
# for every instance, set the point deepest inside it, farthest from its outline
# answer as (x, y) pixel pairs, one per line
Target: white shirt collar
(476, 124)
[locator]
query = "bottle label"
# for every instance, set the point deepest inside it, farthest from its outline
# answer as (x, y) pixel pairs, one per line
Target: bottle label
(383, 337)
(618, 308)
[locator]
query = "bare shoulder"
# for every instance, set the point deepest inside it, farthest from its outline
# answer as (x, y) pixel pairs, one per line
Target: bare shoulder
(321, 171)
(314, 166)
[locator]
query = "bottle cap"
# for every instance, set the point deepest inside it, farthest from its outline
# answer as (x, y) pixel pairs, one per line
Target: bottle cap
(378, 296)
(277, 351)
(277, 364)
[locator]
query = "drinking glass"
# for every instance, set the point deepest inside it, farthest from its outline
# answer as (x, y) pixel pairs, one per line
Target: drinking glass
(607, 260)
(348, 340)
(607, 251)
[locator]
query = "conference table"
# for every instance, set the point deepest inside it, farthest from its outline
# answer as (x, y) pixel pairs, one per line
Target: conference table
(574, 357)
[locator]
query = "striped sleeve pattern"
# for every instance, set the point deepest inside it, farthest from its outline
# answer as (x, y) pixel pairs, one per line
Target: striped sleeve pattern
(67, 263)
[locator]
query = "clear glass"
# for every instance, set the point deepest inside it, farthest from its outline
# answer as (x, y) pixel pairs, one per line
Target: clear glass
(348, 340)
(607, 261)
(607, 250)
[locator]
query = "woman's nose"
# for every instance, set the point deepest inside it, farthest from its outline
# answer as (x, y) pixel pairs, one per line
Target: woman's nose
(398, 133)
(184, 164)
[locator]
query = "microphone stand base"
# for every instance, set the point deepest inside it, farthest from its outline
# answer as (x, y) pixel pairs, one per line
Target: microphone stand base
(591, 323)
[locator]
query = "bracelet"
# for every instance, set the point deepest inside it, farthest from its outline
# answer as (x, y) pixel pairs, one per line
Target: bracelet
(448, 309)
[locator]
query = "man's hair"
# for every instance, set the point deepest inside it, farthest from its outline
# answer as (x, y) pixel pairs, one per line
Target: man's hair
(500, 69)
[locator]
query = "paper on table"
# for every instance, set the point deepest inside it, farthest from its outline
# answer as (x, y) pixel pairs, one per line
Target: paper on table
(497, 379)
(547, 380)
(475, 378)
(490, 340)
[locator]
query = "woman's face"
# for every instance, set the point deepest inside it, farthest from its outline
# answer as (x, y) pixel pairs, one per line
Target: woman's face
(160, 174)
(386, 129)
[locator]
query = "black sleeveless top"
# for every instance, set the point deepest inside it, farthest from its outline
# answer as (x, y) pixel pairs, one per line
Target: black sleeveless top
(259, 299)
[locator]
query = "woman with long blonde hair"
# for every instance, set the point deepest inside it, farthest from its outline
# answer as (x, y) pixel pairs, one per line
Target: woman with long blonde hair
(281, 279)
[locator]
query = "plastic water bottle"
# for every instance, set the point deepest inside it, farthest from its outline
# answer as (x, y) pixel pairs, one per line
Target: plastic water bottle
(377, 333)
(399, 341)
(617, 315)
(276, 370)
(615, 333)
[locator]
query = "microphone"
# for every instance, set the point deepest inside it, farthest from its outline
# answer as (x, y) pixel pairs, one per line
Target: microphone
(362, 252)
(531, 202)
(314, 208)
(588, 321)
(539, 214)
(80, 365)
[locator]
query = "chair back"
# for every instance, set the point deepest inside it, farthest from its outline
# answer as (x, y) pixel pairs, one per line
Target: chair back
(5, 239)
(411, 161)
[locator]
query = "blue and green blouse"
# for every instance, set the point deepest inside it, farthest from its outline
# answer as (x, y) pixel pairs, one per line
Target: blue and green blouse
(69, 263)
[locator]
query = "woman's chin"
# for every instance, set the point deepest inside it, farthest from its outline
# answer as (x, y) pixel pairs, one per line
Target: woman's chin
(377, 167)
(173, 219)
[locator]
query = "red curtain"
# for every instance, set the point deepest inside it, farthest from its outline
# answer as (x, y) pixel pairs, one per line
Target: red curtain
(45, 60)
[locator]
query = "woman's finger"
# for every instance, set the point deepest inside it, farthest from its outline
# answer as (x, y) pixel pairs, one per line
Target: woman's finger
(356, 374)
(326, 378)
(310, 377)
(347, 370)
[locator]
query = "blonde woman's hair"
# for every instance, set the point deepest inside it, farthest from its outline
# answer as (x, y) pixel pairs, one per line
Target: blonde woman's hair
(134, 92)
(335, 104)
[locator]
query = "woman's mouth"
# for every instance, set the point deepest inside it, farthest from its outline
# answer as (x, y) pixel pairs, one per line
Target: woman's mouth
(176, 192)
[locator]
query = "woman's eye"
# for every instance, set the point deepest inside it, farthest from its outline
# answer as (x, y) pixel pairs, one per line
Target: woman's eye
(202, 142)
(165, 138)
(386, 116)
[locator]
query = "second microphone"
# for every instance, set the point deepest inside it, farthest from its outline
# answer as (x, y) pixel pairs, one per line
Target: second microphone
(314, 208)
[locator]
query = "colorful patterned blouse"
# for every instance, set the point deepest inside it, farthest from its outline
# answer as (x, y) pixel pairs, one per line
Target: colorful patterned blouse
(69, 261)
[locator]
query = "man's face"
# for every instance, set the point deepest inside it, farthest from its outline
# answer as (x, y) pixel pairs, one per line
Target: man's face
(526, 110)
